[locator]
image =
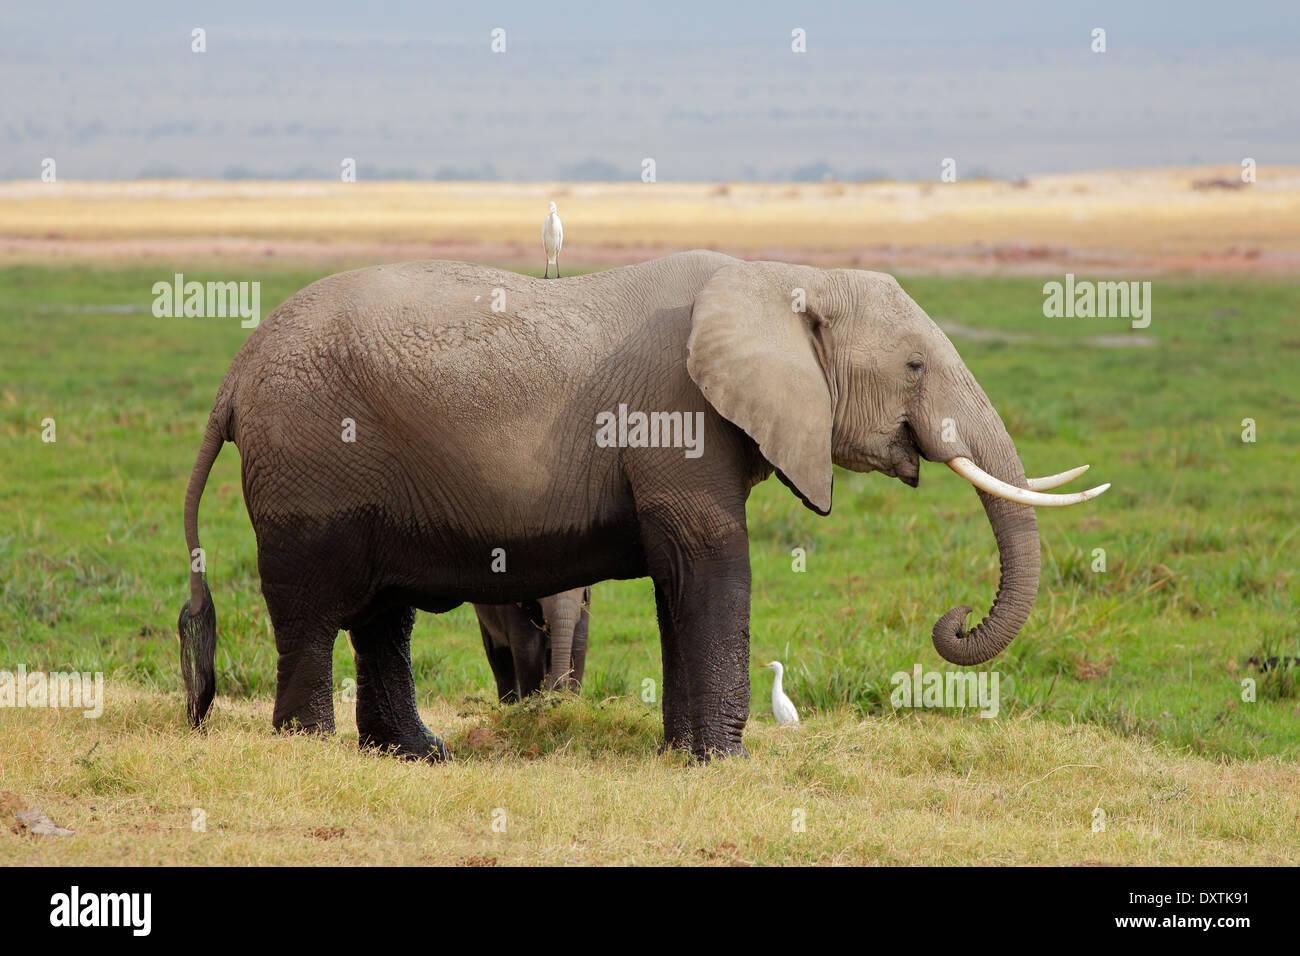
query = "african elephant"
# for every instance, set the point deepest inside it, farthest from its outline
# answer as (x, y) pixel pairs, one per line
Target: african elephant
(536, 642)
(428, 433)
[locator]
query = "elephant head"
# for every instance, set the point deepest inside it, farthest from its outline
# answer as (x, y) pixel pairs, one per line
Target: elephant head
(841, 366)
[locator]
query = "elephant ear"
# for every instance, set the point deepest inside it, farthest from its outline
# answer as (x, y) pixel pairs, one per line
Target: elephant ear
(766, 368)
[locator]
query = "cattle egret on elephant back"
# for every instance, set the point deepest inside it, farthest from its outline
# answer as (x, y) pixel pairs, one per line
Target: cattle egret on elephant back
(782, 709)
(552, 240)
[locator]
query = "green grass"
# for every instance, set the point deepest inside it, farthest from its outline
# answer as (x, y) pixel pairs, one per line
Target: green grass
(1199, 528)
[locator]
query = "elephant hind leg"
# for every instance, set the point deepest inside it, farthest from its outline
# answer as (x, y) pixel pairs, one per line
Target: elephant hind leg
(304, 682)
(387, 718)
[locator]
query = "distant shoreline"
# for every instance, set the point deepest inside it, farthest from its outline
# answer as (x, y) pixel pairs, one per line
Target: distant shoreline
(1193, 219)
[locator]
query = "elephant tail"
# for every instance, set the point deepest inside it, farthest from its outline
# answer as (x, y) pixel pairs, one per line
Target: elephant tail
(197, 625)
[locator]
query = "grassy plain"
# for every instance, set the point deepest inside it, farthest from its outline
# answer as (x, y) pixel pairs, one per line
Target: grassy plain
(578, 782)
(1124, 691)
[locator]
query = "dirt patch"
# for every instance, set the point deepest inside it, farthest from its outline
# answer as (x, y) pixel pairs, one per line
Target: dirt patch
(945, 260)
(1121, 341)
(958, 331)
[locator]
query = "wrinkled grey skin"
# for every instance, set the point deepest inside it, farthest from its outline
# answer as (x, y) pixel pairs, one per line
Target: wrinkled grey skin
(537, 645)
(475, 435)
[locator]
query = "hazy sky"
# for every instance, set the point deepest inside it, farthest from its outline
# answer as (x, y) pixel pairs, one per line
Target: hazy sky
(711, 91)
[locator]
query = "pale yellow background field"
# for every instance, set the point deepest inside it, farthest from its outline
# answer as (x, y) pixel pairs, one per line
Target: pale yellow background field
(1149, 217)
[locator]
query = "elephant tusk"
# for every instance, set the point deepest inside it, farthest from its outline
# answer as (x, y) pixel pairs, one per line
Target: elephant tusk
(982, 480)
(1055, 481)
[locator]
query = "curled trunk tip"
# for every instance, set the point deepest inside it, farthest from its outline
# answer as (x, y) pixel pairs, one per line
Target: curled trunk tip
(950, 637)
(1016, 530)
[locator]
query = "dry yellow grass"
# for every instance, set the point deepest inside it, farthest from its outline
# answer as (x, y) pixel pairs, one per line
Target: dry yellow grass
(1151, 212)
(914, 790)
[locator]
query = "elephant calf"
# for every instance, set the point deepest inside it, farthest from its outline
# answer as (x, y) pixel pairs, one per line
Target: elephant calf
(535, 641)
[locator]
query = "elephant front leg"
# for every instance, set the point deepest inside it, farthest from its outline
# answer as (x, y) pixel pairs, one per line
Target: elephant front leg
(703, 609)
(386, 713)
(677, 718)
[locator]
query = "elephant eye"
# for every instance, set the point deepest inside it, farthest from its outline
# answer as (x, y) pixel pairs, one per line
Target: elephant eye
(915, 365)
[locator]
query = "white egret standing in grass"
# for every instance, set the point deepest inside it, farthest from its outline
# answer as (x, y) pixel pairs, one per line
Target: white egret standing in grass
(782, 709)
(552, 240)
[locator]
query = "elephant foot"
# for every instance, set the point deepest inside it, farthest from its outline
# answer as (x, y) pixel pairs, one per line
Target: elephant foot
(399, 733)
(715, 733)
(703, 753)
(387, 718)
(311, 726)
(425, 746)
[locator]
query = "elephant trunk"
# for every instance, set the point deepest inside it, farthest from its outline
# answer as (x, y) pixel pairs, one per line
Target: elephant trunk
(1016, 530)
(562, 612)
